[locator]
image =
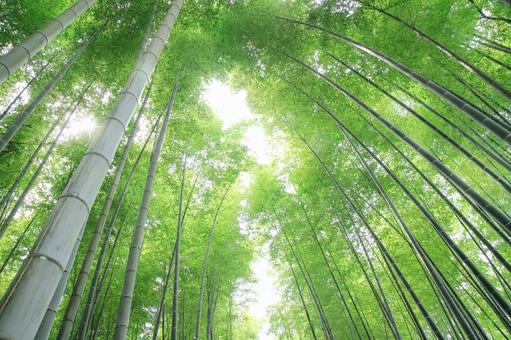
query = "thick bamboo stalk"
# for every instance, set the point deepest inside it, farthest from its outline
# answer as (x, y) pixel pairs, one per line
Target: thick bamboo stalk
(22, 309)
(97, 280)
(46, 325)
(78, 288)
(20, 54)
(123, 316)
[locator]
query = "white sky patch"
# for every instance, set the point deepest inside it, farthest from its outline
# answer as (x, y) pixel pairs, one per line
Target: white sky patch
(266, 292)
(245, 180)
(82, 123)
(230, 106)
(258, 144)
(144, 127)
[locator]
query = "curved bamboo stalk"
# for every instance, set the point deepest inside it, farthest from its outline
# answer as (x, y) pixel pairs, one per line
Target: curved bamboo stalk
(492, 295)
(444, 93)
(500, 217)
(444, 49)
(505, 184)
(19, 311)
(20, 54)
(492, 153)
(452, 303)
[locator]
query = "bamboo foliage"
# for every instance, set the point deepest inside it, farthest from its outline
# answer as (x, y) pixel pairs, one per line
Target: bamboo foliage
(27, 111)
(378, 192)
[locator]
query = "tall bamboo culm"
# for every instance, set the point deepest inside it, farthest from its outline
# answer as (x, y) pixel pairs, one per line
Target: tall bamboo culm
(29, 295)
(123, 314)
(20, 54)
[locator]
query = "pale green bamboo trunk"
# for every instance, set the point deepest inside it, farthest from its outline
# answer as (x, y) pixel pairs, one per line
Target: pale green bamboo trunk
(20, 54)
(78, 288)
(24, 305)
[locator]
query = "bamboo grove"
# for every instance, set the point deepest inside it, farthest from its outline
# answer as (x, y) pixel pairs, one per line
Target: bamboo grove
(384, 209)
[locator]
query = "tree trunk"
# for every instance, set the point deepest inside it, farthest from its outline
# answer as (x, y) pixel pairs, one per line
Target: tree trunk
(76, 297)
(123, 316)
(20, 54)
(20, 312)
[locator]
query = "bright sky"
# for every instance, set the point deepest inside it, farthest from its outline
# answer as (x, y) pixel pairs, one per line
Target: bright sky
(232, 108)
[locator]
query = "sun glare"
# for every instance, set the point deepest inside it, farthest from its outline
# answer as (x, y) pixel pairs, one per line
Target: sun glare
(82, 124)
(230, 106)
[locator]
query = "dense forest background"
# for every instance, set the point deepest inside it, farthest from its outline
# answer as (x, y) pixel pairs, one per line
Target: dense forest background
(384, 205)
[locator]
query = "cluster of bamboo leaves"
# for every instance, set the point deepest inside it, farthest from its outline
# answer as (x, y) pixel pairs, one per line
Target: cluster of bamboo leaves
(387, 214)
